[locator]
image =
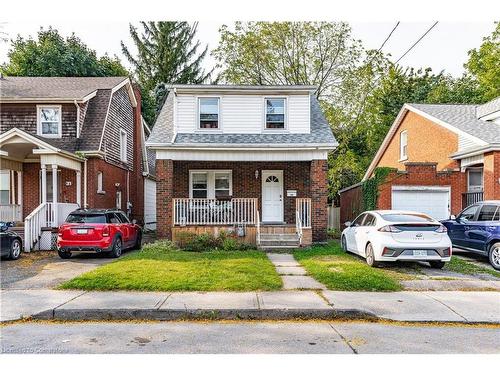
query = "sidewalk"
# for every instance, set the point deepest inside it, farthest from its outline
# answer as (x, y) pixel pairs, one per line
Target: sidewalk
(468, 307)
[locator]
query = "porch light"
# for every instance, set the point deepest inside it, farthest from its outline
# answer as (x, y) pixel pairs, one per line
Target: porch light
(117, 185)
(256, 174)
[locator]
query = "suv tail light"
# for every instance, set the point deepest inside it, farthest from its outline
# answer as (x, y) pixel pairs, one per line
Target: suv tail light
(390, 228)
(441, 229)
(105, 231)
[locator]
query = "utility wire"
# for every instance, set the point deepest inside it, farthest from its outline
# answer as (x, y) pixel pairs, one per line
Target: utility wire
(418, 41)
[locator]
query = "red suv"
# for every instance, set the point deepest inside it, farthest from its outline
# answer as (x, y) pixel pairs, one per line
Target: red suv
(98, 230)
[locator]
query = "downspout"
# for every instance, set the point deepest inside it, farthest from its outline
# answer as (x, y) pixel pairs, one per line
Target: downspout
(85, 183)
(77, 119)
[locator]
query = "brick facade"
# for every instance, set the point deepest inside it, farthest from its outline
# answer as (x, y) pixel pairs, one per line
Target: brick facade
(492, 175)
(173, 182)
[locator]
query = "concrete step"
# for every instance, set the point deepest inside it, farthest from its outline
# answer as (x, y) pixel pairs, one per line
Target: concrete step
(279, 237)
(279, 243)
(278, 249)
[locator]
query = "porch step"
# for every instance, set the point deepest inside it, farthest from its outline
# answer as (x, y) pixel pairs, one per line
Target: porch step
(279, 241)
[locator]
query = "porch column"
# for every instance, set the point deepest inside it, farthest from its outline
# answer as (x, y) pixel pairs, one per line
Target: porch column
(319, 200)
(44, 183)
(54, 194)
(78, 188)
(12, 197)
(20, 193)
(164, 195)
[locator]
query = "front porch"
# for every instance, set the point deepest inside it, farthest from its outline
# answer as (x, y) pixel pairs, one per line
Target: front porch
(40, 186)
(264, 203)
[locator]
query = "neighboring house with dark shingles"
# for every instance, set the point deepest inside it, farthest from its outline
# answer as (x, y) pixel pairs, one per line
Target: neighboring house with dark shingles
(445, 157)
(248, 159)
(68, 142)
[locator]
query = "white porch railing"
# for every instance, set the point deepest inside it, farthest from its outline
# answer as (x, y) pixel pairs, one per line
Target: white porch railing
(298, 226)
(197, 211)
(257, 234)
(303, 209)
(10, 212)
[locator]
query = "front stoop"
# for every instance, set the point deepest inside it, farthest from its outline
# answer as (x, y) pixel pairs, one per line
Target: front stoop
(273, 241)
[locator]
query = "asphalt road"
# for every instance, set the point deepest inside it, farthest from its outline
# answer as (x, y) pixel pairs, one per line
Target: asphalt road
(247, 337)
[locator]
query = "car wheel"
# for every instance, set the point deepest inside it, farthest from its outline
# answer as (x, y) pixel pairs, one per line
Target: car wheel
(370, 257)
(343, 244)
(138, 242)
(437, 264)
(494, 255)
(117, 248)
(15, 250)
(64, 254)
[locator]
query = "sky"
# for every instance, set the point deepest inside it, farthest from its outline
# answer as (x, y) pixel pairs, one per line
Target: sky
(444, 48)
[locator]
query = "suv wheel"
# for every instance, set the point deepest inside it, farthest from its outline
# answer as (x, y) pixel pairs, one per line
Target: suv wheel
(494, 255)
(437, 264)
(64, 254)
(15, 249)
(116, 252)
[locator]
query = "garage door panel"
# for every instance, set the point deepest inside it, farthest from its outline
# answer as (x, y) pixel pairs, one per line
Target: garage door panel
(150, 204)
(433, 202)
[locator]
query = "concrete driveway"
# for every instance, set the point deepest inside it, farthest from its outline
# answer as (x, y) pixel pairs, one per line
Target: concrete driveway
(44, 269)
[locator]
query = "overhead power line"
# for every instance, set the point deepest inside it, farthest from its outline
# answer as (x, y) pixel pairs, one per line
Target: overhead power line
(418, 41)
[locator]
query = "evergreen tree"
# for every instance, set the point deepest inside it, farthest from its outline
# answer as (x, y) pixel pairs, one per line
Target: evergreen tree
(167, 53)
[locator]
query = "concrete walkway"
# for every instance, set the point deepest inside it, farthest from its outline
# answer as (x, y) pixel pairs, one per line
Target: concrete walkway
(294, 276)
(401, 306)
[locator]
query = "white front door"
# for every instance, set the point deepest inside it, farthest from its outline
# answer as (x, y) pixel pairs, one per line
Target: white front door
(272, 196)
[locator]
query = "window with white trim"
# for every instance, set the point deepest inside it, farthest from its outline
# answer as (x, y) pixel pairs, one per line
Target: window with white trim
(275, 113)
(123, 145)
(100, 189)
(208, 113)
(475, 179)
(4, 187)
(403, 145)
(210, 183)
(49, 122)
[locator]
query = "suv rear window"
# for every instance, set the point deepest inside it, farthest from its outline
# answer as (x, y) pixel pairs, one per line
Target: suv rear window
(87, 219)
(414, 218)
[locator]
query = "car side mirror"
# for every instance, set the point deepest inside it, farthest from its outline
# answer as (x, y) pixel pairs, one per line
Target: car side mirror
(347, 223)
(453, 217)
(134, 221)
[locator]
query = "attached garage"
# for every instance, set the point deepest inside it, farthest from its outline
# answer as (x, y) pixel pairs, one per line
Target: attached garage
(149, 204)
(431, 200)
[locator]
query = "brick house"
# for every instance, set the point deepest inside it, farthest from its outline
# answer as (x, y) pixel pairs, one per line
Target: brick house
(445, 157)
(68, 142)
(248, 159)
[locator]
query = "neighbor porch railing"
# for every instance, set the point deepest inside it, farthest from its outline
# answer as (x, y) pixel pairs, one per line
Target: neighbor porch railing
(471, 198)
(197, 211)
(303, 210)
(10, 212)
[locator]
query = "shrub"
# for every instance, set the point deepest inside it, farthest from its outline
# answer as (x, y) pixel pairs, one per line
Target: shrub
(160, 246)
(208, 242)
(334, 233)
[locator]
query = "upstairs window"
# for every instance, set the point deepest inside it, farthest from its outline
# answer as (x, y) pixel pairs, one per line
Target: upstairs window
(100, 189)
(209, 113)
(403, 145)
(49, 123)
(275, 113)
(123, 145)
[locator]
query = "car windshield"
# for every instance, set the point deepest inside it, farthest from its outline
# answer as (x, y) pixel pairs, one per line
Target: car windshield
(86, 218)
(413, 218)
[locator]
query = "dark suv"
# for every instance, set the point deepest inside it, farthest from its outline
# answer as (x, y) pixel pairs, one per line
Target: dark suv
(477, 229)
(98, 230)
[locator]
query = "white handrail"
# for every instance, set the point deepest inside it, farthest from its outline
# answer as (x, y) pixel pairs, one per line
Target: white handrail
(33, 225)
(303, 207)
(257, 234)
(298, 226)
(201, 211)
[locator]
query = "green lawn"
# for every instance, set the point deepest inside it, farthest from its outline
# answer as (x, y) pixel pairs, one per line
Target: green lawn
(340, 271)
(158, 267)
(468, 268)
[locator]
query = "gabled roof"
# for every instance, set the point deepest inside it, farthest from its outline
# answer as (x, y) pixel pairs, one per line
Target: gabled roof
(163, 133)
(462, 119)
(20, 89)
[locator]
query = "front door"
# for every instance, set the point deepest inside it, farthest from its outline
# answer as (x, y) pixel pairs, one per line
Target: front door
(272, 196)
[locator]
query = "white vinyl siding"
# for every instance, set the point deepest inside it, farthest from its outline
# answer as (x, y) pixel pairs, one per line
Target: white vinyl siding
(242, 114)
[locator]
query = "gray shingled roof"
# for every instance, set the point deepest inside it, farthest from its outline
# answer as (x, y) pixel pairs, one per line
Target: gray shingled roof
(464, 118)
(69, 88)
(320, 134)
(487, 108)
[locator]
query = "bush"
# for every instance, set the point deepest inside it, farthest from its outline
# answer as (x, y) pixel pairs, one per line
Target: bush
(208, 242)
(334, 233)
(160, 246)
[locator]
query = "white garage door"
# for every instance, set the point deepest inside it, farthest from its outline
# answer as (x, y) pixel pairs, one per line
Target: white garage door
(150, 204)
(431, 200)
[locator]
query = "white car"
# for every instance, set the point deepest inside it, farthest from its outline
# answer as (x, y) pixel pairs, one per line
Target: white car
(389, 236)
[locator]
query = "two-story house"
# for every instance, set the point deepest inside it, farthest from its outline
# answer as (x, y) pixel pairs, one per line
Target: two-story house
(445, 157)
(68, 142)
(249, 159)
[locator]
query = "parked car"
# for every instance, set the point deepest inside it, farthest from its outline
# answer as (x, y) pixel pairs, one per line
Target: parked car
(10, 242)
(98, 230)
(477, 229)
(389, 236)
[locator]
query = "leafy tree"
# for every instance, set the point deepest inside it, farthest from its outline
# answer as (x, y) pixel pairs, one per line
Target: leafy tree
(167, 53)
(52, 55)
(484, 64)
